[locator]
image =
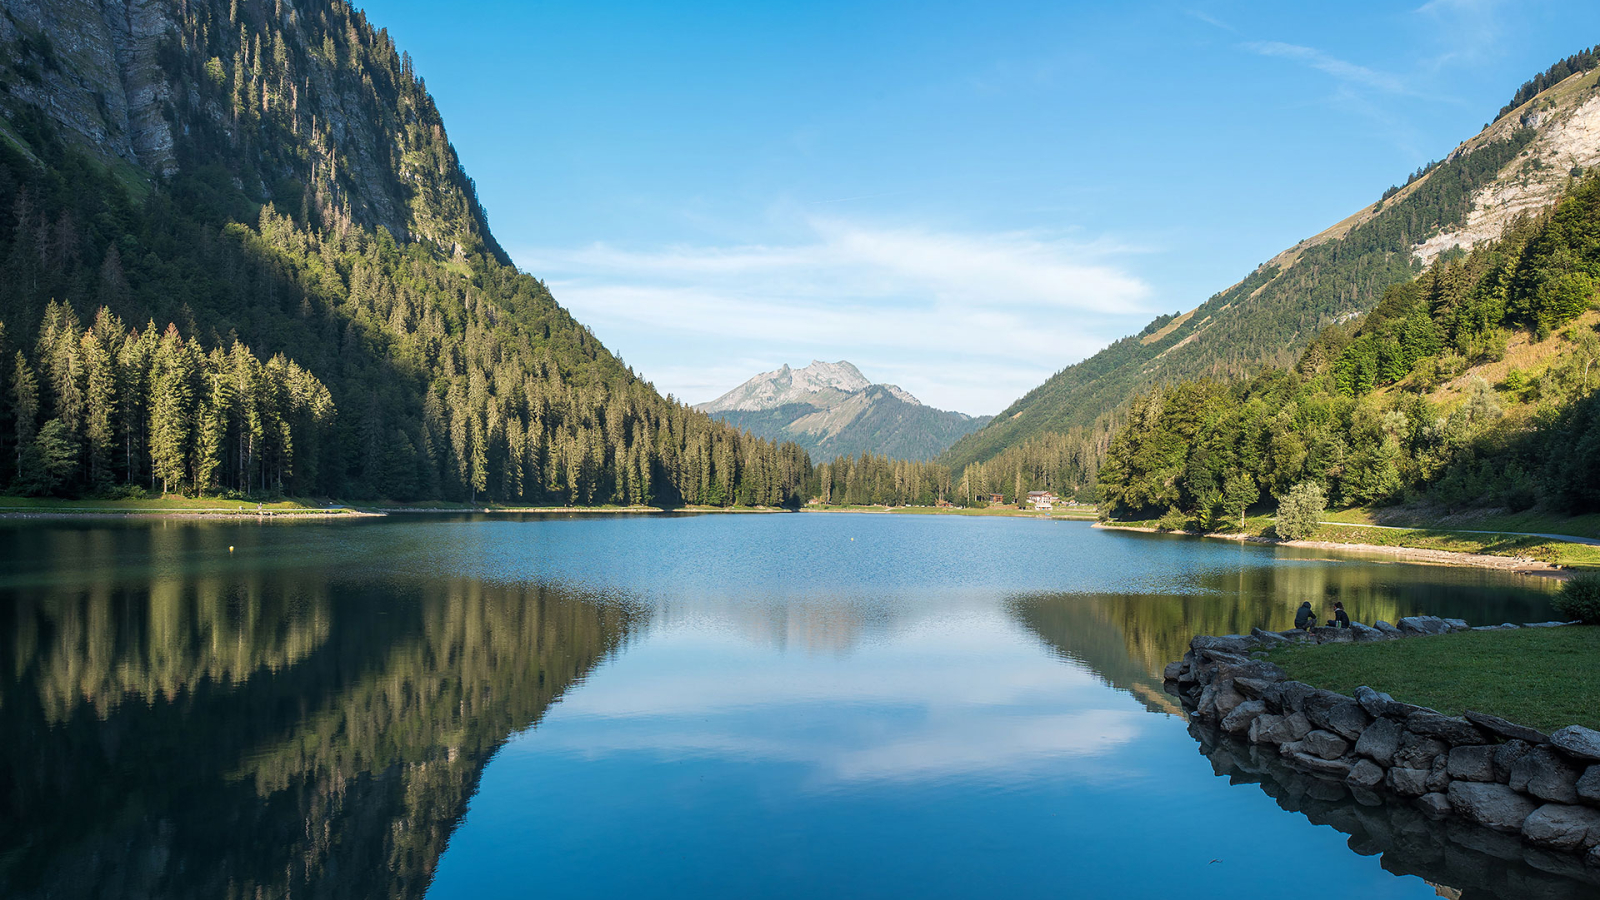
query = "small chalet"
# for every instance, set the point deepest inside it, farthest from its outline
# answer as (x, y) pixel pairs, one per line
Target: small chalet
(1042, 500)
(991, 498)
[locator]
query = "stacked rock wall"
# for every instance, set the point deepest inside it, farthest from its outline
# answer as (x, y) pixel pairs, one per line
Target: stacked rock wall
(1544, 789)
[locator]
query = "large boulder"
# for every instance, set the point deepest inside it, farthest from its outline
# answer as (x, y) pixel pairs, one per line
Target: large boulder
(1472, 763)
(1435, 804)
(1376, 703)
(1506, 756)
(1347, 719)
(1589, 784)
(1365, 774)
(1505, 728)
(1449, 729)
(1238, 720)
(1319, 704)
(1419, 751)
(1578, 742)
(1288, 696)
(1547, 775)
(1333, 768)
(1408, 782)
(1415, 625)
(1325, 744)
(1366, 634)
(1380, 741)
(1327, 634)
(1268, 639)
(1228, 643)
(1388, 629)
(1562, 827)
(1173, 671)
(1457, 624)
(1493, 806)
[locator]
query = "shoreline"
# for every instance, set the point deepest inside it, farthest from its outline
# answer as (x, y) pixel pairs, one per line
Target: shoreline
(1519, 565)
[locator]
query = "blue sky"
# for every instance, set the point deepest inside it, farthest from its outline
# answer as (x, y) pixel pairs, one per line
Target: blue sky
(961, 198)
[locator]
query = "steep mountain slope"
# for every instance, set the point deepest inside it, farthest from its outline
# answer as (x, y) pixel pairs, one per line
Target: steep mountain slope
(1520, 163)
(275, 173)
(831, 410)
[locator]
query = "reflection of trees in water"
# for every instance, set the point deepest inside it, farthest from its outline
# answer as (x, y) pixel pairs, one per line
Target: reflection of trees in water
(1464, 860)
(287, 736)
(1129, 638)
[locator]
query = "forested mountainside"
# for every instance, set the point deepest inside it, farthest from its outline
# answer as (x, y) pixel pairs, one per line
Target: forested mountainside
(1472, 386)
(273, 182)
(1520, 163)
(831, 410)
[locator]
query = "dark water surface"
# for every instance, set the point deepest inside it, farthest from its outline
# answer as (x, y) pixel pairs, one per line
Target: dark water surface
(698, 706)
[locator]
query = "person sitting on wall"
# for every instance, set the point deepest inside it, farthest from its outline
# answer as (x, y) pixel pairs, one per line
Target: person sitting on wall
(1341, 619)
(1304, 617)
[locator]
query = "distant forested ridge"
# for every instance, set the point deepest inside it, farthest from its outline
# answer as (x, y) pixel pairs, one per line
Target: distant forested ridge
(290, 189)
(1471, 386)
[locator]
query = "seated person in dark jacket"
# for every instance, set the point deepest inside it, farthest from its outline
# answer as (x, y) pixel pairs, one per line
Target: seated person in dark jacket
(1304, 617)
(1341, 619)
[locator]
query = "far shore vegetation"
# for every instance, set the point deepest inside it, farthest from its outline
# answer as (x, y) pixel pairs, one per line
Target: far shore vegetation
(1544, 678)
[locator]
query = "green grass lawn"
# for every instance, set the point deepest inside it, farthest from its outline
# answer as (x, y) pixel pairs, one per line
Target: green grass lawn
(1545, 678)
(1404, 517)
(169, 503)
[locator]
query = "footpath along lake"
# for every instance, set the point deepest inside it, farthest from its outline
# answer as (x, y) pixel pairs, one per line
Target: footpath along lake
(654, 706)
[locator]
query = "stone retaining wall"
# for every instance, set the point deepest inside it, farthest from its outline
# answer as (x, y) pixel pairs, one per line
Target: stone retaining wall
(1479, 768)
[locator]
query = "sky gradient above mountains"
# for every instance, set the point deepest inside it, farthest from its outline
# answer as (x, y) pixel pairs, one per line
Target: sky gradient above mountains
(717, 188)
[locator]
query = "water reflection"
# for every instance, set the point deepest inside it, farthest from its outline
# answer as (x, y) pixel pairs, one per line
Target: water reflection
(274, 735)
(782, 706)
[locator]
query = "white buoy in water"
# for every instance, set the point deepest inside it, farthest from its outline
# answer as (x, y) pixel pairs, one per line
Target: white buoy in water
(230, 548)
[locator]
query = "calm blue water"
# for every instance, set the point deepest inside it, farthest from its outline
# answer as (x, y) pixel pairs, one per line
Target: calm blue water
(698, 706)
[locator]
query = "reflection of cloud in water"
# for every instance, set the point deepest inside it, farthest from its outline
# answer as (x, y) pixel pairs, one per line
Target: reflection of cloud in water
(947, 695)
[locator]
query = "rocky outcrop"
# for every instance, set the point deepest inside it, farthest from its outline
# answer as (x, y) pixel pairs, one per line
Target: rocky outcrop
(1477, 768)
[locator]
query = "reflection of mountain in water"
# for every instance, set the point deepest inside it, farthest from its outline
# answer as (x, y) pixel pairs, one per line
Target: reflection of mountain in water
(276, 737)
(1127, 639)
(1462, 860)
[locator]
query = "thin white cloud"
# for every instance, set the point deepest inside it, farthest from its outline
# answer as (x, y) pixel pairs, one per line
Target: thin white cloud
(1344, 71)
(1005, 309)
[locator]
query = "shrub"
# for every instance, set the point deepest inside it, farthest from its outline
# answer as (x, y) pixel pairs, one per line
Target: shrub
(1300, 510)
(1580, 598)
(1174, 520)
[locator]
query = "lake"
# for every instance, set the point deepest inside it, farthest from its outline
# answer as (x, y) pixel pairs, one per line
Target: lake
(662, 706)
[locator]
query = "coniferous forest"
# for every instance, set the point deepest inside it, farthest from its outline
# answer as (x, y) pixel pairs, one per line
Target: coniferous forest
(1397, 408)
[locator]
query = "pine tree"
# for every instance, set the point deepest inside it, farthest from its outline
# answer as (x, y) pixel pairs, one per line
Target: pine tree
(171, 410)
(24, 411)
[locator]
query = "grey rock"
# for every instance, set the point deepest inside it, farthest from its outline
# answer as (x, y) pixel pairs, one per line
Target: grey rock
(1504, 728)
(1333, 767)
(1268, 639)
(1417, 625)
(1472, 763)
(1435, 804)
(1456, 624)
(1374, 702)
(1172, 672)
(1419, 751)
(1589, 784)
(1547, 775)
(1562, 827)
(1327, 634)
(1578, 742)
(1229, 643)
(1449, 729)
(1388, 629)
(1288, 696)
(1593, 857)
(1408, 782)
(1347, 719)
(1253, 688)
(1493, 806)
(1284, 729)
(1238, 721)
(1366, 634)
(1325, 744)
(1506, 756)
(1259, 669)
(1380, 741)
(1264, 725)
(1365, 774)
(1439, 775)
(1544, 624)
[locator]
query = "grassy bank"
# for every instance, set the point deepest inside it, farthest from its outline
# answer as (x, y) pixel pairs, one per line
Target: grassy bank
(1453, 540)
(1545, 678)
(171, 504)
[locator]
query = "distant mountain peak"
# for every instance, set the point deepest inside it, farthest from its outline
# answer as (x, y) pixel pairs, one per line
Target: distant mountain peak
(818, 384)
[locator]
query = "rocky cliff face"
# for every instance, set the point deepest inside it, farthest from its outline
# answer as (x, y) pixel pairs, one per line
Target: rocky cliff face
(302, 102)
